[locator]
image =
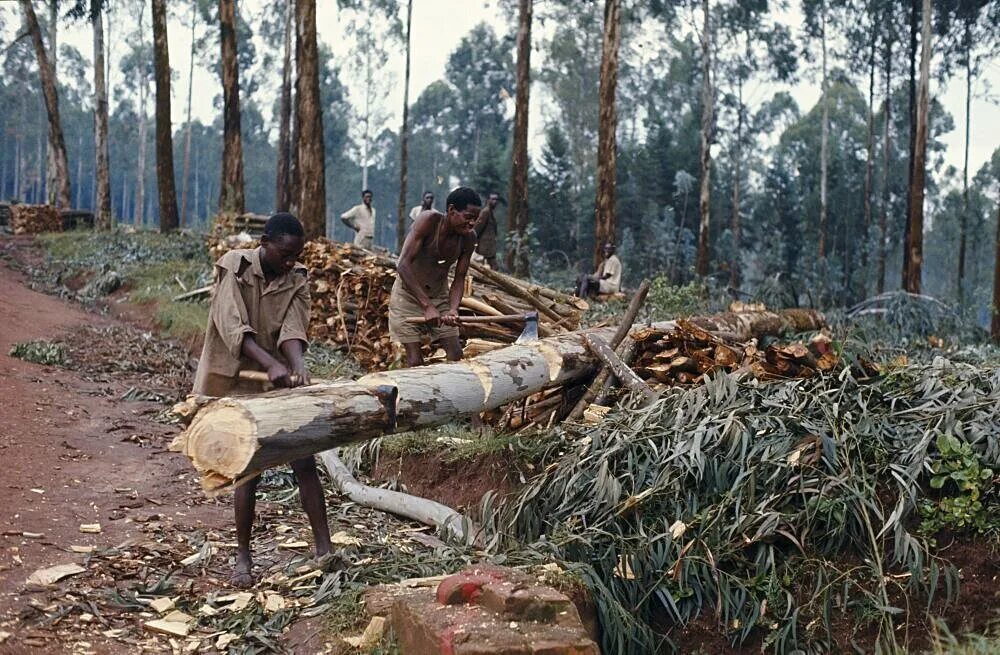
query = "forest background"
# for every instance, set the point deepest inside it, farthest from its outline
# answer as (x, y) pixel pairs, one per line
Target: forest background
(770, 233)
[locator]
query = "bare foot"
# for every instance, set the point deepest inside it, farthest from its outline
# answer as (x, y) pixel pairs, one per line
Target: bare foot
(330, 562)
(242, 577)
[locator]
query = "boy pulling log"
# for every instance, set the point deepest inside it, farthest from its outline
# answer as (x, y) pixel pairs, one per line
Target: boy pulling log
(435, 243)
(258, 321)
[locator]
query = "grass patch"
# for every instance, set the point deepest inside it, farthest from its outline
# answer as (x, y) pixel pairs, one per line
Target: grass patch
(40, 352)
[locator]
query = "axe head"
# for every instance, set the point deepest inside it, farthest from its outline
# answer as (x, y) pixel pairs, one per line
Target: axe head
(530, 331)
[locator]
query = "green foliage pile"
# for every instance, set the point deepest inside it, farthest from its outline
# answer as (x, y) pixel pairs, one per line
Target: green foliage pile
(777, 508)
(40, 352)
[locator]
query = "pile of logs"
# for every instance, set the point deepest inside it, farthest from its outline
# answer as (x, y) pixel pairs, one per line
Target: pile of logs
(34, 219)
(230, 231)
(350, 289)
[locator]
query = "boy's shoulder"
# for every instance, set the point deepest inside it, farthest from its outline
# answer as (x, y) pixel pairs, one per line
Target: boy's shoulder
(236, 260)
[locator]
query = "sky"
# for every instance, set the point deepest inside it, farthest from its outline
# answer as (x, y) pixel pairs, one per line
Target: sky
(438, 25)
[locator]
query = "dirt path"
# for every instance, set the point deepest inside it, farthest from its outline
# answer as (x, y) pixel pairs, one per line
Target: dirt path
(74, 454)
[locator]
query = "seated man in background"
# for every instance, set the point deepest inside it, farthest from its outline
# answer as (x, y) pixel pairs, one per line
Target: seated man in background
(607, 280)
(421, 289)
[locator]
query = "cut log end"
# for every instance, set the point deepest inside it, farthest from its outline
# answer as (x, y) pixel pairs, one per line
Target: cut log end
(226, 435)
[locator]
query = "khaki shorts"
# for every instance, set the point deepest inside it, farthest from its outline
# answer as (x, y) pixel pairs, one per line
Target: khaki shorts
(403, 305)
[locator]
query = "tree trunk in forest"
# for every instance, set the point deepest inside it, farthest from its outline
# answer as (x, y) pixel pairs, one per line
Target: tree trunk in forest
(164, 133)
(60, 195)
(995, 325)
(51, 183)
(404, 139)
(883, 221)
(964, 218)
(231, 186)
(293, 160)
(707, 129)
(232, 438)
(607, 146)
(102, 204)
(734, 226)
(517, 215)
(916, 192)
(281, 189)
(311, 164)
(870, 154)
(140, 187)
(914, 4)
(186, 171)
(79, 168)
(824, 148)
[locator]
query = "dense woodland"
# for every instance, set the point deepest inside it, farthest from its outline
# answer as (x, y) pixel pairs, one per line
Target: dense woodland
(664, 130)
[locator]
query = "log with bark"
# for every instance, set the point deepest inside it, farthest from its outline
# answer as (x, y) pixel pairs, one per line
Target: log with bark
(230, 439)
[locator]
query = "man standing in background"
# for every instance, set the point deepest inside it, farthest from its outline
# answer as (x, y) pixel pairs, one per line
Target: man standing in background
(486, 232)
(361, 219)
(427, 202)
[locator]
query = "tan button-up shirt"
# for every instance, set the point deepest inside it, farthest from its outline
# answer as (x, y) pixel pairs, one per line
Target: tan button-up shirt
(243, 302)
(362, 219)
(612, 267)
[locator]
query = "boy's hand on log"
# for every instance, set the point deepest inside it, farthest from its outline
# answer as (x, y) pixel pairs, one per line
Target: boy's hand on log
(300, 375)
(450, 317)
(278, 375)
(432, 315)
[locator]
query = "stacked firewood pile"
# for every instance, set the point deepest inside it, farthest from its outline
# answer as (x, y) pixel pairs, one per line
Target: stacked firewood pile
(34, 219)
(231, 231)
(350, 289)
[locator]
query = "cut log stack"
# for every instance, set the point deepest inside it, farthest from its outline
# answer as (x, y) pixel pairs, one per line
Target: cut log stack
(350, 289)
(231, 231)
(34, 219)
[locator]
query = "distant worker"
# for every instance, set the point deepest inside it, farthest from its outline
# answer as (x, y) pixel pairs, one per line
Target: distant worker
(361, 219)
(421, 290)
(427, 202)
(486, 232)
(257, 321)
(607, 280)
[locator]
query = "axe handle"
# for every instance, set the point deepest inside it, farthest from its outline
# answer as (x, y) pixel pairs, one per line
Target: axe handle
(506, 318)
(261, 376)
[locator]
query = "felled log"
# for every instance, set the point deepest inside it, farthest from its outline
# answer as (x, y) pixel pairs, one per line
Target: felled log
(232, 439)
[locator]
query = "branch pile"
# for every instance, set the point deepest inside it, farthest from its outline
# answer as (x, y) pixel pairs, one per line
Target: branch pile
(34, 219)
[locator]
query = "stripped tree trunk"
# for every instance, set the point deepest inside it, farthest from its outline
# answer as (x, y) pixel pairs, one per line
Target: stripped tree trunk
(60, 194)
(311, 165)
(164, 133)
(916, 193)
(404, 139)
(281, 188)
(707, 125)
(186, 171)
(517, 252)
(870, 155)
(734, 259)
(230, 439)
(607, 146)
(231, 187)
(995, 325)
(914, 4)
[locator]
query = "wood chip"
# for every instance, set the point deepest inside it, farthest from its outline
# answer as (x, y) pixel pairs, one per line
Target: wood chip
(85, 550)
(224, 640)
(239, 601)
(162, 604)
(178, 616)
(344, 539)
(90, 528)
(53, 574)
(294, 544)
(174, 628)
(273, 603)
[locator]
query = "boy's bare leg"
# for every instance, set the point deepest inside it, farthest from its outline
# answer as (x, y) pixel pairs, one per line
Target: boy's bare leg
(313, 502)
(413, 355)
(245, 501)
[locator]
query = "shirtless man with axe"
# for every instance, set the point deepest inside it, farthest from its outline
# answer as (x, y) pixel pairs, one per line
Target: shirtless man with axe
(436, 242)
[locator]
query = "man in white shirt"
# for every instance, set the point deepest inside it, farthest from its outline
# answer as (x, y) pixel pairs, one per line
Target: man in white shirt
(361, 219)
(426, 204)
(607, 280)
